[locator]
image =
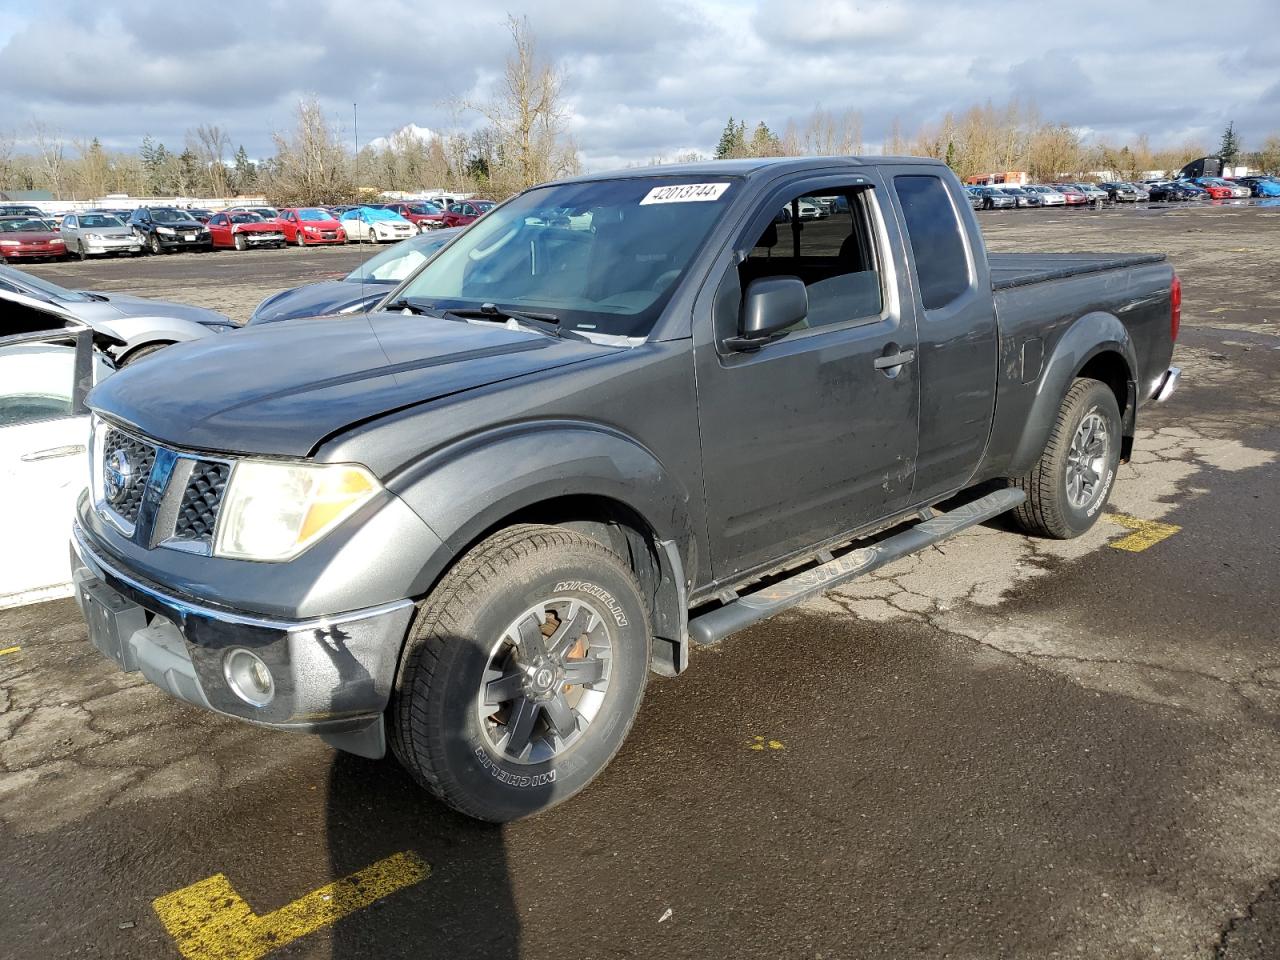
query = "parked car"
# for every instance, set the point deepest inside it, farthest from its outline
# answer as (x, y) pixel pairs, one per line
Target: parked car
(1194, 191)
(266, 214)
(200, 213)
(975, 198)
(1022, 198)
(1049, 197)
(140, 326)
(473, 521)
(1119, 192)
(374, 225)
(467, 211)
(1075, 196)
(1141, 194)
(1261, 186)
(1168, 192)
(44, 438)
(1093, 192)
(358, 290)
(165, 229)
(993, 198)
(29, 238)
(21, 210)
(242, 230)
(424, 216)
(306, 226)
(98, 234)
(1222, 189)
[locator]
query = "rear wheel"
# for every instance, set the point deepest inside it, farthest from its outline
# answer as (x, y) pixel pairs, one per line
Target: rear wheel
(1069, 485)
(522, 674)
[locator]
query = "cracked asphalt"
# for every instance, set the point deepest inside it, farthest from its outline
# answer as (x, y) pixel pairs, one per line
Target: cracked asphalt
(1002, 748)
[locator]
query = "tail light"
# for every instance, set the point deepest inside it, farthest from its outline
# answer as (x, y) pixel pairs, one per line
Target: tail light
(1175, 306)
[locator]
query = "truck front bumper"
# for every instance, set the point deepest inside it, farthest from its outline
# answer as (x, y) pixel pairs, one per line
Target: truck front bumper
(329, 676)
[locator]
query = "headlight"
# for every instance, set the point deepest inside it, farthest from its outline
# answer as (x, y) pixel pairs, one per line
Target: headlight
(274, 511)
(168, 231)
(10, 243)
(94, 236)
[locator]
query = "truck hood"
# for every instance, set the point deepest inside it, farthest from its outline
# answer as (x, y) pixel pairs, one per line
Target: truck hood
(280, 389)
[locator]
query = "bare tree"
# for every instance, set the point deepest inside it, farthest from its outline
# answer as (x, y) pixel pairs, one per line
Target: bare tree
(530, 117)
(210, 143)
(50, 157)
(310, 166)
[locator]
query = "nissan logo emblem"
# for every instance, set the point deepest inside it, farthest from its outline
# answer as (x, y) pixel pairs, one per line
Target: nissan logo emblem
(117, 477)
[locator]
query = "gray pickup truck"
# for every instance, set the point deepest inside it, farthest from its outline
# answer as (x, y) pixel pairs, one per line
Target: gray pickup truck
(617, 416)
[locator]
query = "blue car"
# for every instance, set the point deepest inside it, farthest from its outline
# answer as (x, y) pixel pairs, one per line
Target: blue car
(1261, 186)
(360, 289)
(375, 225)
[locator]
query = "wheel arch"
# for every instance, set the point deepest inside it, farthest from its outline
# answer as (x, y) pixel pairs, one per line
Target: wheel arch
(611, 489)
(1097, 346)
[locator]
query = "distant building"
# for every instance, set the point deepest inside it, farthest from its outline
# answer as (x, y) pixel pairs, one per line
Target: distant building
(1013, 178)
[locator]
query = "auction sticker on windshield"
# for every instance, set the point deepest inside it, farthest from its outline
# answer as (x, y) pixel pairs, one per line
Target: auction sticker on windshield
(685, 193)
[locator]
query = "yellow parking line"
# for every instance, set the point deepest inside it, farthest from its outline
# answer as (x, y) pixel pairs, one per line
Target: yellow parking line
(8, 650)
(1146, 533)
(210, 921)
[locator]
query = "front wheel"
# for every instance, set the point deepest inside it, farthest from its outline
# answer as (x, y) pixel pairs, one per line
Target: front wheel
(240, 242)
(299, 239)
(155, 245)
(522, 674)
(1069, 485)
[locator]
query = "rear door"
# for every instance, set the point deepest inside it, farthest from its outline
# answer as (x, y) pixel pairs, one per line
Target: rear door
(955, 323)
(812, 435)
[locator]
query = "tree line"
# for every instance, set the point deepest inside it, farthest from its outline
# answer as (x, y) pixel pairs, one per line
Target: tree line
(986, 139)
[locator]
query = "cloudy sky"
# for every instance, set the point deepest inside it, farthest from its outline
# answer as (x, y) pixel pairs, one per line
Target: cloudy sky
(644, 79)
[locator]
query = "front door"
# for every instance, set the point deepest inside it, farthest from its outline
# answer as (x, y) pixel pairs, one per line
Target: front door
(44, 434)
(815, 433)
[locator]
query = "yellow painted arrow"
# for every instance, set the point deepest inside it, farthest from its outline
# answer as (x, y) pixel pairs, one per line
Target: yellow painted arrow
(1146, 533)
(210, 921)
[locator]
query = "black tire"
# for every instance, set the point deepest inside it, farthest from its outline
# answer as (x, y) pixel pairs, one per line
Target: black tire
(80, 254)
(298, 238)
(143, 351)
(438, 730)
(1051, 510)
(154, 245)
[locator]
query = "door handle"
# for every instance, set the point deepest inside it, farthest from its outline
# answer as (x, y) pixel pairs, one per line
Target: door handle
(894, 360)
(52, 453)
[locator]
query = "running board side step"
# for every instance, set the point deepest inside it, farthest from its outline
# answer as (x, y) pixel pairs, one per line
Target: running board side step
(717, 624)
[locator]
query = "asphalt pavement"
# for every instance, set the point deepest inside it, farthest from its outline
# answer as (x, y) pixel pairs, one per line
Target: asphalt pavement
(1002, 748)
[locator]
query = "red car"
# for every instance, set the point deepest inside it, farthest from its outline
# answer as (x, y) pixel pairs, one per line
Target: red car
(242, 230)
(1075, 196)
(465, 211)
(29, 237)
(424, 216)
(1216, 190)
(308, 225)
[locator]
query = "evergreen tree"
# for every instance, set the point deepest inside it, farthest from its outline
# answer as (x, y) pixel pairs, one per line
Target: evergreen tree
(951, 154)
(1229, 149)
(764, 143)
(189, 173)
(244, 172)
(733, 141)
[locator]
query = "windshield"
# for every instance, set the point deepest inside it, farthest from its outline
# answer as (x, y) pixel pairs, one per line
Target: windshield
(392, 266)
(98, 220)
(314, 215)
(25, 224)
(169, 215)
(31, 285)
(602, 255)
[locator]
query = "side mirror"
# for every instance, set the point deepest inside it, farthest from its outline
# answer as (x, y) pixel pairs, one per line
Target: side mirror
(771, 304)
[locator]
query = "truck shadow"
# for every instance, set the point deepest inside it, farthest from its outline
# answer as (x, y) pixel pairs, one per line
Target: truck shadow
(464, 907)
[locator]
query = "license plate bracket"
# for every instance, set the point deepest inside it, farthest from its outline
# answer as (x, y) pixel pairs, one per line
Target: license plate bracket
(113, 620)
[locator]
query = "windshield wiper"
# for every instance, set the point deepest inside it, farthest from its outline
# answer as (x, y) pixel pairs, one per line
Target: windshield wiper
(547, 323)
(406, 304)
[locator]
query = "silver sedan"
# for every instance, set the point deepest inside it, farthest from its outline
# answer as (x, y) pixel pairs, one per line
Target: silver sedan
(93, 234)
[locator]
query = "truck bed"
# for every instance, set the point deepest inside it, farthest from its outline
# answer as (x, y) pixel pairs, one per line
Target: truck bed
(1020, 269)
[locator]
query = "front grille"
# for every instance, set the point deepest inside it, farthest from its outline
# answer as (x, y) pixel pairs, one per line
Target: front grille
(129, 461)
(198, 511)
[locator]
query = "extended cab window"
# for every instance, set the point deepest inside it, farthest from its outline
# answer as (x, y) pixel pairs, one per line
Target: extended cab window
(827, 242)
(942, 266)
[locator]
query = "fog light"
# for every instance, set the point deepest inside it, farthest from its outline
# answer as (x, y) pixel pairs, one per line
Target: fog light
(249, 678)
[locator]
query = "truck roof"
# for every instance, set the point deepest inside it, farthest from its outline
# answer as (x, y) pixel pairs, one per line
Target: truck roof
(745, 167)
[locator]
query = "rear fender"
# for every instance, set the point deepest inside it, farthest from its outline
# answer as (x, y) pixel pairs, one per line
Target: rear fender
(1092, 334)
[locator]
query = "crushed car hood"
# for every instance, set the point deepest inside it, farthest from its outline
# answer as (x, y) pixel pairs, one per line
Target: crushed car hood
(123, 305)
(282, 388)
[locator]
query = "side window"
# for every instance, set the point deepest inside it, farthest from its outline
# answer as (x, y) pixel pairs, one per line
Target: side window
(828, 242)
(36, 382)
(69, 222)
(942, 266)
